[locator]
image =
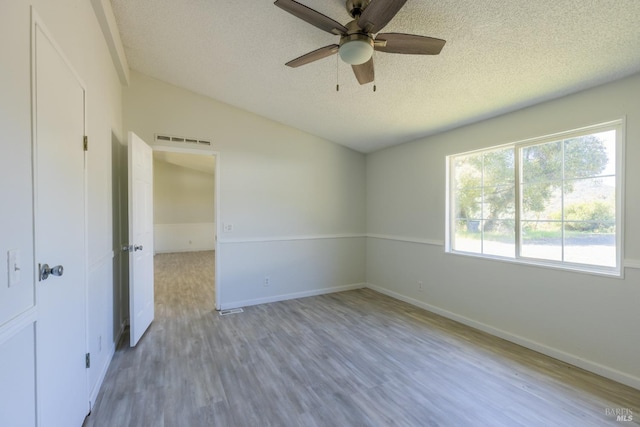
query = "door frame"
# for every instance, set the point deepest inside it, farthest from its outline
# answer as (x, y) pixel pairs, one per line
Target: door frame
(216, 202)
(38, 23)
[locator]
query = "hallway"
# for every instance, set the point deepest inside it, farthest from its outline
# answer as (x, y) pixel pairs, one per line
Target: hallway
(163, 379)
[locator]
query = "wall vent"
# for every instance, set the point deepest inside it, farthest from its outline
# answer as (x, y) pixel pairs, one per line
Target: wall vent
(181, 139)
(230, 311)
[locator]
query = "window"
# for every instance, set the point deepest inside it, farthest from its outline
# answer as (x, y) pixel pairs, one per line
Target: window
(553, 200)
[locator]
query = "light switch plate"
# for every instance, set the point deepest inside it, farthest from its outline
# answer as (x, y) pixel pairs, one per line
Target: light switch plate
(13, 267)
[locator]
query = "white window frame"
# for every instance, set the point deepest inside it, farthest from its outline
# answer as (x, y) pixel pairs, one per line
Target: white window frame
(619, 126)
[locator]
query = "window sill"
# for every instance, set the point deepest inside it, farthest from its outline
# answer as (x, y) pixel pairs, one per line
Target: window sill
(612, 272)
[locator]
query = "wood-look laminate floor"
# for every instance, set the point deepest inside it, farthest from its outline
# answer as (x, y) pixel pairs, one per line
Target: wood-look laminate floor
(354, 358)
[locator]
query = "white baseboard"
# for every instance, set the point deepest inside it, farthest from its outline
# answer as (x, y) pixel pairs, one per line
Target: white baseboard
(112, 351)
(103, 373)
(572, 359)
(172, 251)
(295, 295)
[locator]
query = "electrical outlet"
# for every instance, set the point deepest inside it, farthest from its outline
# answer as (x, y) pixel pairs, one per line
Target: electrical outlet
(227, 227)
(420, 285)
(267, 280)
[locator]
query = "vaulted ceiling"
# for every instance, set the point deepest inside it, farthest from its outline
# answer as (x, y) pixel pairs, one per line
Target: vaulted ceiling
(500, 55)
(200, 163)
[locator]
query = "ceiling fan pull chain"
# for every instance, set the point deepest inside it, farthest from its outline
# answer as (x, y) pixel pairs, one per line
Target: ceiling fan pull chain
(337, 76)
(374, 76)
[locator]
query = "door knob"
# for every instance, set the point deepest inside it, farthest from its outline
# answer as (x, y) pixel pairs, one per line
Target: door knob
(46, 271)
(137, 247)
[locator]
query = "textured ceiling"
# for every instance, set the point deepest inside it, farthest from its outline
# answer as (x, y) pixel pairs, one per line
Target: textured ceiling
(501, 55)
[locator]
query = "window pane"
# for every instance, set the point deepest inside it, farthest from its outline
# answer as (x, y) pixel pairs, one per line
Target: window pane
(484, 202)
(590, 243)
(542, 240)
(468, 203)
(499, 203)
(589, 212)
(499, 238)
(467, 237)
(542, 162)
(590, 155)
(468, 171)
(468, 187)
(542, 201)
(587, 194)
(499, 167)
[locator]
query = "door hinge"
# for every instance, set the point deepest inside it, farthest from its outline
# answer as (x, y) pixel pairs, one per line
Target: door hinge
(87, 360)
(85, 143)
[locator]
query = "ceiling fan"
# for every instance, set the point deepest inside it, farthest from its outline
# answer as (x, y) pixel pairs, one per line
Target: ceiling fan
(358, 38)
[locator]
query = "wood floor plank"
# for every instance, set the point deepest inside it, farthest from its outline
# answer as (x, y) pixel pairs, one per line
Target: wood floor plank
(354, 358)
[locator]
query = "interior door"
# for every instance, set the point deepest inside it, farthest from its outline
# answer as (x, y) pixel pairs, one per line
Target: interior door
(59, 222)
(141, 295)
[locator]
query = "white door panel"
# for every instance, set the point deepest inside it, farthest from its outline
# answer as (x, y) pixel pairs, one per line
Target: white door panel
(141, 295)
(62, 397)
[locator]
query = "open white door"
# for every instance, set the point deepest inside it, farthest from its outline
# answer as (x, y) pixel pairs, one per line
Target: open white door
(141, 310)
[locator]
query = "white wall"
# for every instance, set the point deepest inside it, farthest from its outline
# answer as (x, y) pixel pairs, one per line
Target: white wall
(276, 184)
(587, 320)
(181, 195)
(74, 26)
(183, 208)
(184, 237)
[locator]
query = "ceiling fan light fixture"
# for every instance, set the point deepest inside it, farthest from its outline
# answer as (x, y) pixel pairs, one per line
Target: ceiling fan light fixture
(356, 49)
(357, 37)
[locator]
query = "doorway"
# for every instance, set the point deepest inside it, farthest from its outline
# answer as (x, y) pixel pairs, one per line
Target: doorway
(185, 211)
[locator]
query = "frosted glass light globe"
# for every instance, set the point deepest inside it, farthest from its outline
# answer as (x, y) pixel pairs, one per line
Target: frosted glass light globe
(356, 52)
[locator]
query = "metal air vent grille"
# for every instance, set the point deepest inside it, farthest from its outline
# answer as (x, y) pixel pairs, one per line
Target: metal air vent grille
(181, 139)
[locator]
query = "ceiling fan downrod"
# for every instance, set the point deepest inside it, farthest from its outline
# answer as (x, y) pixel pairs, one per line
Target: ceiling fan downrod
(356, 7)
